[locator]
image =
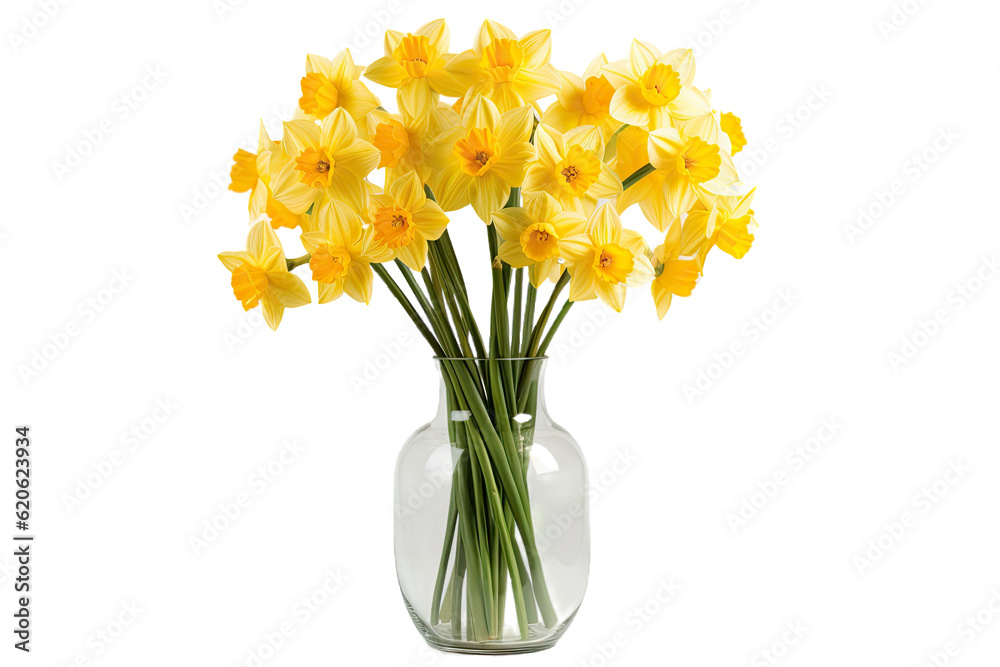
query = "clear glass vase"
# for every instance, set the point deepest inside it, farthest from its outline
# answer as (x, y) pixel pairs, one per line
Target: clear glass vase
(492, 528)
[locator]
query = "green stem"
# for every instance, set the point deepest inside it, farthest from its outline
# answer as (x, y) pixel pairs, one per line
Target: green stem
(298, 261)
(397, 292)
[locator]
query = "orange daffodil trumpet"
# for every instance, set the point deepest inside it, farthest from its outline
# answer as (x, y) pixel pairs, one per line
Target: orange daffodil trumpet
(365, 186)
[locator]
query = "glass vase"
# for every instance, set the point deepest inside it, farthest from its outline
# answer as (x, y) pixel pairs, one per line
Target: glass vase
(492, 533)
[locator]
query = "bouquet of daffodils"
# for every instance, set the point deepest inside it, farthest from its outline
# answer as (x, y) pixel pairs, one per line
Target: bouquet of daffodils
(372, 192)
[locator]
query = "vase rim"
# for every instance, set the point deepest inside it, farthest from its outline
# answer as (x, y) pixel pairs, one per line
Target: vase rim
(541, 358)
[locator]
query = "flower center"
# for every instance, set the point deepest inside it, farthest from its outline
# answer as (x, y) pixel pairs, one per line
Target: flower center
(597, 94)
(613, 263)
(502, 59)
(329, 263)
(579, 170)
(699, 160)
(249, 284)
(315, 166)
(660, 84)
(539, 242)
(319, 95)
(413, 53)
(477, 151)
(394, 226)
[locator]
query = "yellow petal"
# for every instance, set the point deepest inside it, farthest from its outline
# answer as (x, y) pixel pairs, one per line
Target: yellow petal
(488, 193)
(662, 297)
(537, 48)
(642, 55)
(331, 291)
(511, 252)
(451, 187)
(386, 72)
(613, 295)
(358, 101)
(430, 220)
(605, 226)
(416, 99)
(232, 260)
(272, 310)
(515, 126)
(298, 135)
(582, 283)
(513, 163)
(288, 288)
(510, 223)
(629, 106)
(413, 254)
(665, 144)
(358, 282)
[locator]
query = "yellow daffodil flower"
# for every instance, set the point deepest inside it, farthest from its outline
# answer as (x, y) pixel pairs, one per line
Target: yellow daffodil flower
(676, 276)
(609, 259)
(652, 87)
(401, 144)
(692, 167)
(328, 161)
(481, 160)
(509, 71)
(583, 101)
(414, 63)
(728, 224)
(261, 277)
(535, 235)
(571, 168)
(404, 220)
(342, 252)
(733, 128)
(252, 171)
(333, 84)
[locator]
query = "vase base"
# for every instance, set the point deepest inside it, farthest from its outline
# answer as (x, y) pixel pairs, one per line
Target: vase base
(539, 638)
(489, 648)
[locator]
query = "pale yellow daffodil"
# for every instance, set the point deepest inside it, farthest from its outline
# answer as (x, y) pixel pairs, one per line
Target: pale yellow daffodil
(404, 220)
(609, 259)
(509, 71)
(260, 275)
(481, 160)
(333, 84)
(692, 166)
(652, 88)
(685, 168)
(414, 63)
(327, 162)
(583, 101)
(676, 276)
(534, 235)
(342, 251)
(571, 168)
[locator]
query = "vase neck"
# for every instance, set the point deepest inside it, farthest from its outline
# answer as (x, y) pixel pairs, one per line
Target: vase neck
(519, 381)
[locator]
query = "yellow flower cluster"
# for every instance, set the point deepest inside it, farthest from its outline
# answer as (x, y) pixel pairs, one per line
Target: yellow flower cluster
(552, 177)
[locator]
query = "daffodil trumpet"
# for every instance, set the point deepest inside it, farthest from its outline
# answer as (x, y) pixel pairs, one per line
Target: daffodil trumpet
(554, 165)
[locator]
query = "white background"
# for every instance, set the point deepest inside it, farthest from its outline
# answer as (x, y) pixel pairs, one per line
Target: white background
(837, 110)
